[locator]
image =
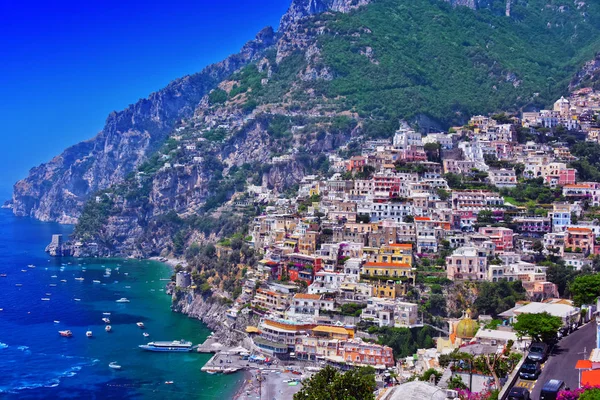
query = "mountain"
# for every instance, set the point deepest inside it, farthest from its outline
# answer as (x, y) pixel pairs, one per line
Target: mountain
(170, 169)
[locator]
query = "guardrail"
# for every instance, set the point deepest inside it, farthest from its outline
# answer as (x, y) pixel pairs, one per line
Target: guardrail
(512, 379)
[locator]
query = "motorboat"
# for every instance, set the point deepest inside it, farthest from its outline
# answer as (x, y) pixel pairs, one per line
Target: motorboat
(106, 320)
(169, 382)
(95, 281)
(146, 334)
(89, 334)
(63, 280)
(105, 313)
(3, 275)
(31, 266)
(57, 322)
(18, 284)
(52, 285)
(80, 279)
(123, 300)
(45, 299)
(77, 299)
(114, 365)
(108, 328)
(54, 276)
(140, 324)
(66, 333)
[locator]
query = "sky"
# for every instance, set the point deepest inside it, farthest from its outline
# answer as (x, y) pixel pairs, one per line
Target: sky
(65, 65)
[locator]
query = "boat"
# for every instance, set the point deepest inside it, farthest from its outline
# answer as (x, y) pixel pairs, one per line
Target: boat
(106, 275)
(114, 365)
(3, 275)
(140, 324)
(123, 300)
(108, 328)
(211, 371)
(77, 299)
(105, 313)
(229, 370)
(126, 273)
(48, 294)
(23, 270)
(168, 382)
(45, 299)
(52, 285)
(18, 284)
(106, 320)
(57, 322)
(127, 287)
(54, 276)
(146, 334)
(80, 279)
(31, 266)
(89, 334)
(174, 346)
(65, 333)
(95, 281)
(63, 280)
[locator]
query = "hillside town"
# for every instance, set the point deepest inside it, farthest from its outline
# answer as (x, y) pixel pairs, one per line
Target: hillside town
(400, 224)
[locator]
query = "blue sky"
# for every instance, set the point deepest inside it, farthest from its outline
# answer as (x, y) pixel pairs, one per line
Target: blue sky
(65, 65)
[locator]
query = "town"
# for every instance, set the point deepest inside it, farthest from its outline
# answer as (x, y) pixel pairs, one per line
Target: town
(403, 232)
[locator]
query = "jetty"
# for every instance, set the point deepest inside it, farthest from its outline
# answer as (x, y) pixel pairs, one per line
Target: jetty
(228, 361)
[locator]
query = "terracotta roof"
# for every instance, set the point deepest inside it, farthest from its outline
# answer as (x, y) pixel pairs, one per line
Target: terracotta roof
(403, 245)
(422, 219)
(579, 230)
(387, 265)
(306, 296)
(331, 329)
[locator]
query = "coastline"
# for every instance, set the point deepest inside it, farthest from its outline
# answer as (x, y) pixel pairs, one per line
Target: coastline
(171, 262)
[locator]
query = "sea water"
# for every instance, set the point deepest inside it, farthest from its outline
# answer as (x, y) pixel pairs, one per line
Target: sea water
(37, 363)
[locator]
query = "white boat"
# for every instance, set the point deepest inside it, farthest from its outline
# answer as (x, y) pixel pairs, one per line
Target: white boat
(89, 334)
(114, 365)
(140, 324)
(31, 266)
(95, 281)
(57, 322)
(52, 284)
(146, 334)
(127, 287)
(80, 279)
(105, 313)
(45, 299)
(63, 280)
(123, 300)
(126, 273)
(23, 270)
(108, 328)
(54, 276)
(77, 299)
(48, 294)
(106, 320)
(18, 284)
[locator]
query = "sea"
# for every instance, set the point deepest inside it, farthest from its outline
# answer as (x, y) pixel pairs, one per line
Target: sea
(37, 363)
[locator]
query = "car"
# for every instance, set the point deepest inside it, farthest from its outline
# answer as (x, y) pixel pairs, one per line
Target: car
(551, 388)
(518, 393)
(538, 352)
(530, 370)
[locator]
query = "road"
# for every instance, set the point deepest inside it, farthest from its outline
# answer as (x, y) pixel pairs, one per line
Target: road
(561, 363)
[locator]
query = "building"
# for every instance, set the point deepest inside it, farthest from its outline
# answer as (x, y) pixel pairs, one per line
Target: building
(579, 240)
(268, 300)
(309, 304)
(501, 237)
(278, 337)
(502, 178)
(391, 270)
(467, 263)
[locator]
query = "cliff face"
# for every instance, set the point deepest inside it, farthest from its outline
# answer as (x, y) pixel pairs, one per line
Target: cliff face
(56, 191)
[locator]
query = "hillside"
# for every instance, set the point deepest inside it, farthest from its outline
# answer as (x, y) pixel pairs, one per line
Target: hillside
(336, 70)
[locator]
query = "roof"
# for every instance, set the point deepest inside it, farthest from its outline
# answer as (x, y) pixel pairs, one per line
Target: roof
(587, 230)
(402, 245)
(558, 310)
(252, 329)
(330, 329)
(415, 391)
(591, 378)
(496, 335)
(583, 364)
(306, 296)
(387, 265)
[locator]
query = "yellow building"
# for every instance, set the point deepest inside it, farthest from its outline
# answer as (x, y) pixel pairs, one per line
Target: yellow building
(396, 253)
(388, 290)
(395, 271)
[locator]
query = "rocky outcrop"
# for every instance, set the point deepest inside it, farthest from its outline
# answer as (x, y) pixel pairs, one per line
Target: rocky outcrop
(56, 191)
(589, 73)
(303, 8)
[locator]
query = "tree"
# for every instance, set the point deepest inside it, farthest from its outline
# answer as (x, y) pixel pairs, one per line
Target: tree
(330, 384)
(485, 217)
(585, 289)
(540, 327)
(409, 219)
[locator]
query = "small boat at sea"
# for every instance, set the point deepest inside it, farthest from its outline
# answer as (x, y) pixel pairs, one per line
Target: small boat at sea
(77, 299)
(66, 333)
(114, 365)
(106, 275)
(127, 287)
(45, 299)
(54, 276)
(48, 294)
(89, 334)
(126, 273)
(23, 270)
(174, 346)
(108, 328)
(211, 371)
(31, 266)
(140, 324)
(63, 280)
(3, 275)
(169, 382)
(105, 313)
(123, 300)
(18, 284)
(52, 285)
(80, 279)
(106, 320)
(95, 281)
(146, 334)
(57, 322)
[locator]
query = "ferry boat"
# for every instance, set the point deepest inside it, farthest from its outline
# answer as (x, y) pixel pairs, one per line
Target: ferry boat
(174, 346)
(89, 334)
(140, 324)
(123, 300)
(108, 328)
(65, 333)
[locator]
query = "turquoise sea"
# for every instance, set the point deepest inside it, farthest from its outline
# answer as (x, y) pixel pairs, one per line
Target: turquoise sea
(36, 363)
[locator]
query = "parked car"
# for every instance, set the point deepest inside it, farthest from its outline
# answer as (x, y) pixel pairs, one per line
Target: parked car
(530, 370)
(551, 388)
(538, 352)
(518, 393)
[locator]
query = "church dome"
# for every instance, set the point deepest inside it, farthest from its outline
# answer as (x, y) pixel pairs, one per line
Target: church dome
(466, 327)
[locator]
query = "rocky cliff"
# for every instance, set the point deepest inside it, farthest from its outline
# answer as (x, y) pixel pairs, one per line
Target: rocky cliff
(57, 190)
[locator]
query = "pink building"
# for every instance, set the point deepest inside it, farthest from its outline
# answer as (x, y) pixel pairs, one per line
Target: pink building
(500, 236)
